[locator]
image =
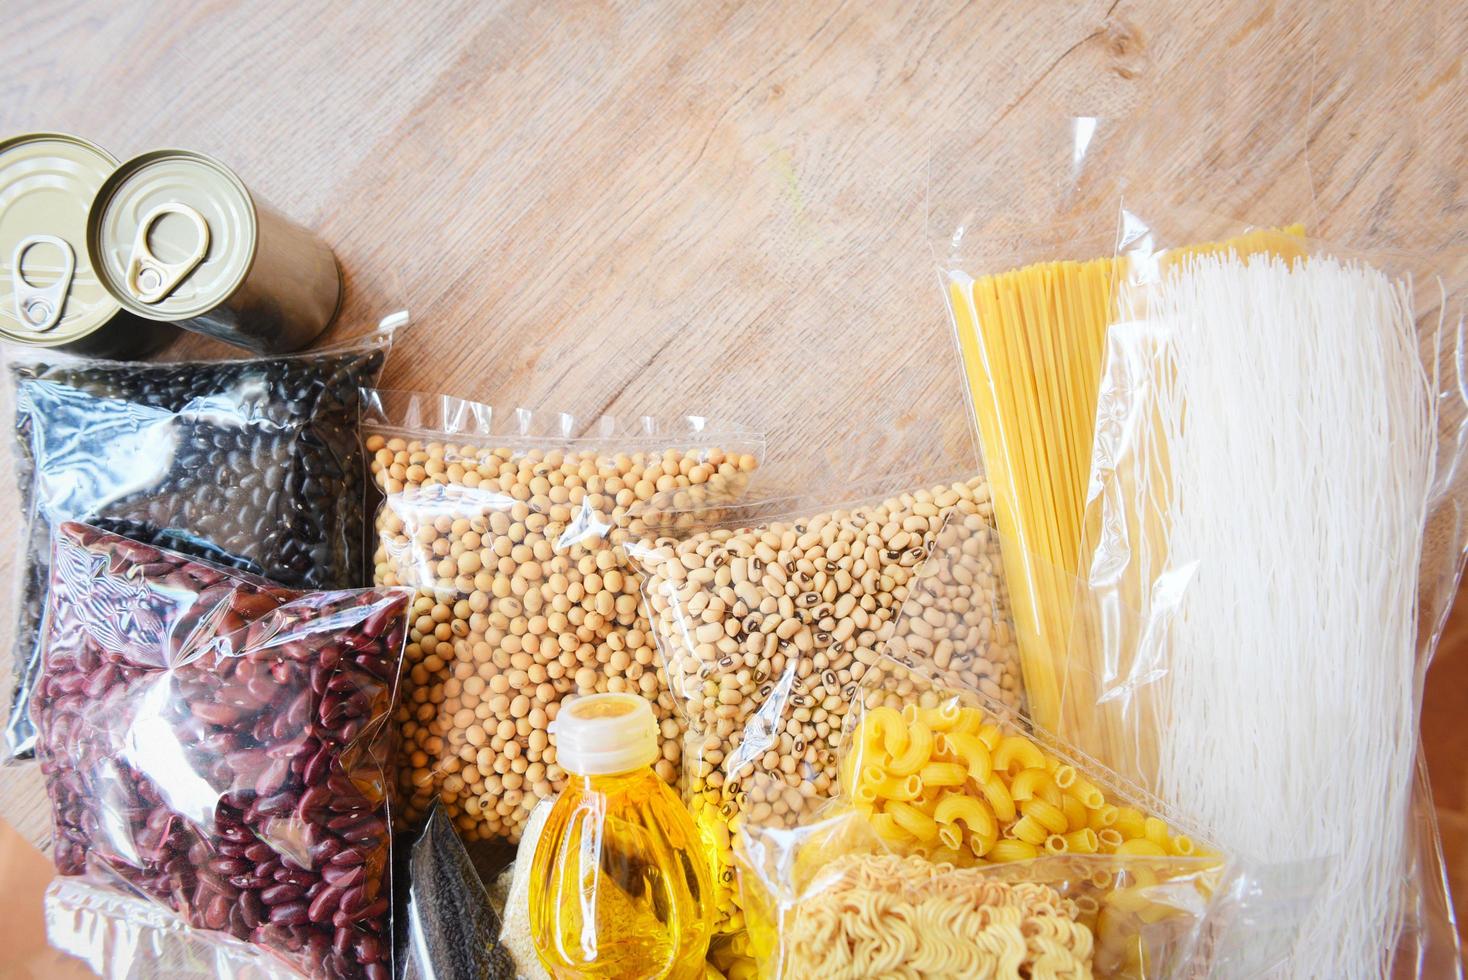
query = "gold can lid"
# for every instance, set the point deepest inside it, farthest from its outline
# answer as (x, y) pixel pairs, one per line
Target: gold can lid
(172, 234)
(49, 292)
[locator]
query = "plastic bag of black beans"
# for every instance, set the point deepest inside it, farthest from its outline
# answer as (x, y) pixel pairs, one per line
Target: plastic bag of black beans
(255, 464)
(216, 744)
(768, 623)
(508, 524)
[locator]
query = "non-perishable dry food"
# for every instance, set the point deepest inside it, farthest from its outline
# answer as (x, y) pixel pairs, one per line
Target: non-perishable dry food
(523, 601)
(768, 632)
(211, 741)
(866, 914)
(254, 464)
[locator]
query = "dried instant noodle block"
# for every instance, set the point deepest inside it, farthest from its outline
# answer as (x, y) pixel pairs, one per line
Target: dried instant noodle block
(881, 915)
(522, 601)
(931, 773)
(768, 632)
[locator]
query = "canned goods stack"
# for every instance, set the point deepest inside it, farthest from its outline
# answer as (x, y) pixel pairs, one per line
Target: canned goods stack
(110, 259)
(50, 293)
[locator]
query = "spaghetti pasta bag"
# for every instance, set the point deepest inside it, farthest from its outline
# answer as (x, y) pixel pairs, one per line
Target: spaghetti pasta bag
(768, 622)
(507, 524)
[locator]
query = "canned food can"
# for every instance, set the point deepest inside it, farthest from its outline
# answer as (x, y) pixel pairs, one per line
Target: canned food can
(176, 236)
(50, 295)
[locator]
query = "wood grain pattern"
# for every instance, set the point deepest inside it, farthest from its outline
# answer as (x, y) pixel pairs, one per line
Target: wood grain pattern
(720, 207)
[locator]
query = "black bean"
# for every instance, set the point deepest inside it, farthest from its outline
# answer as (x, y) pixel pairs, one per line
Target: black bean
(208, 459)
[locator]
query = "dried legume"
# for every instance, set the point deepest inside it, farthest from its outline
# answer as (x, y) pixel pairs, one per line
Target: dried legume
(768, 631)
(253, 464)
(211, 740)
(522, 601)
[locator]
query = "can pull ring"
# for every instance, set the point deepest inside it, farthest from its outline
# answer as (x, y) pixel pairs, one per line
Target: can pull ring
(39, 307)
(149, 278)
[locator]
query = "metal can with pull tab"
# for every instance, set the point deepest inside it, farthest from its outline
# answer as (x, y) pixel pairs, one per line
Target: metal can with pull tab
(49, 292)
(176, 236)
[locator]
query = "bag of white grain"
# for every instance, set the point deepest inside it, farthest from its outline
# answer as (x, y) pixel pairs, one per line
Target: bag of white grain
(506, 523)
(768, 620)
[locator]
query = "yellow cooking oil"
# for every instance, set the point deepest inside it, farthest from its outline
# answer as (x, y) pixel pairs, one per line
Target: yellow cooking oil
(620, 883)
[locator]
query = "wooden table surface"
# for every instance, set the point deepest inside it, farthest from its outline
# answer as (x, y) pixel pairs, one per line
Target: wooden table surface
(720, 208)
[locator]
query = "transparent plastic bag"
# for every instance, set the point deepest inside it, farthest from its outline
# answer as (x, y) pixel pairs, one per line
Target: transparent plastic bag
(1030, 339)
(768, 623)
(124, 937)
(830, 899)
(1324, 520)
(506, 524)
(450, 928)
(515, 935)
(962, 781)
(255, 464)
(213, 743)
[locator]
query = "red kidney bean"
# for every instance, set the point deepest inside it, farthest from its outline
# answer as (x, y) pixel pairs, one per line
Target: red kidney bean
(289, 914)
(229, 866)
(343, 877)
(295, 847)
(281, 892)
(216, 915)
(301, 879)
(325, 903)
(348, 857)
(353, 899)
(368, 912)
(272, 778)
(259, 852)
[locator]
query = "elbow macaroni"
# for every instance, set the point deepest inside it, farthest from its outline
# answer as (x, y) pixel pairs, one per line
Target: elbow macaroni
(948, 780)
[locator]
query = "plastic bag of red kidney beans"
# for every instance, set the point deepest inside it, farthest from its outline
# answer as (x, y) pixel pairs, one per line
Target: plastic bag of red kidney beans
(254, 464)
(216, 743)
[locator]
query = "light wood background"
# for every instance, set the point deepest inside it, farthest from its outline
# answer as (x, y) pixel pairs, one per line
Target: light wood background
(722, 208)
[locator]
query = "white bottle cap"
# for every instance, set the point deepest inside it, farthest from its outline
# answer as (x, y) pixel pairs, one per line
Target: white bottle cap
(603, 734)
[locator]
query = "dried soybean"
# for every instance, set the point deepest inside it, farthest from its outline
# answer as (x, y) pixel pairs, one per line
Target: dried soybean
(523, 600)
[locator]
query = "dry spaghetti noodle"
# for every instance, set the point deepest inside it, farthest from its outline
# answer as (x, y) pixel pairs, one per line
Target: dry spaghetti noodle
(1031, 341)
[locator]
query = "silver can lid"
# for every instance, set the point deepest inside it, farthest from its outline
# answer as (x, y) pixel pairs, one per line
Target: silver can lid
(49, 293)
(172, 234)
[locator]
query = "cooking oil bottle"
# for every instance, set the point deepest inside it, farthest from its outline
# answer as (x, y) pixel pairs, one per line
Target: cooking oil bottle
(620, 884)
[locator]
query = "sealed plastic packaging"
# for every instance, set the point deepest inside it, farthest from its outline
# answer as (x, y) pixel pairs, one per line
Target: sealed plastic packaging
(122, 936)
(1030, 309)
(213, 743)
(450, 928)
(507, 525)
(966, 844)
(255, 464)
(1273, 536)
(768, 623)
